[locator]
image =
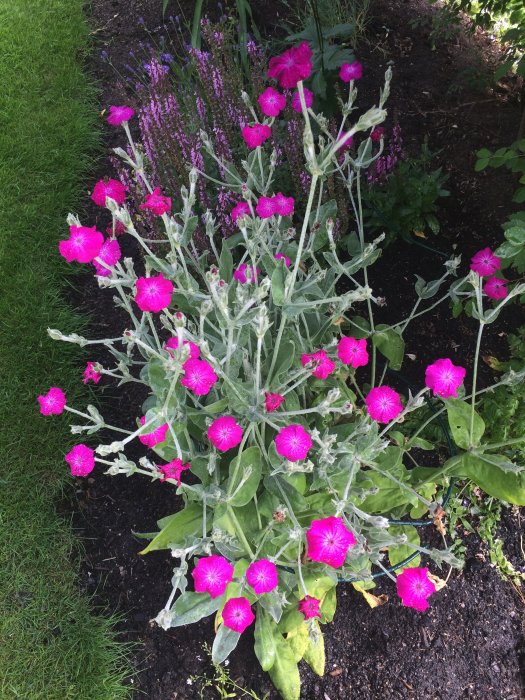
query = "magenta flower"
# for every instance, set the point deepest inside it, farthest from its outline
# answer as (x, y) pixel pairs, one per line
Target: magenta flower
(485, 263)
(496, 288)
(81, 460)
(256, 135)
(109, 188)
(153, 293)
(291, 66)
(444, 378)
(173, 470)
(352, 351)
(119, 115)
(329, 540)
(212, 575)
(322, 364)
(377, 133)
(266, 207)
(91, 373)
(198, 376)
(282, 256)
(173, 344)
(351, 71)
(383, 404)
(293, 443)
(283, 205)
(272, 402)
(308, 100)
(271, 102)
(156, 203)
(414, 587)
(225, 433)
(155, 437)
(262, 576)
(109, 254)
(240, 209)
(83, 244)
(309, 607)
(237, 614)
(52, 403)
(241, 276)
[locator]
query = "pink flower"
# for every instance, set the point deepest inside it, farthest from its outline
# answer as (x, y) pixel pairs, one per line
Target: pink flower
(282, 256)
(157, 203)
(110, 188)
(262, 576)
(91, 373)
(323, 365)
(212, 575)
(271, 102)
(256, 135)
(52, 403)
(496, 288)
(329, 540)
(83, 244)
(351, 71)
(414, 587)
(240, 209)
(384, 404)
(173, 344)
(444, 378)
(283, 205)
(225, 433)
(352, 351)
(237, 614)
(293, 443)
(118, 115)
(198, 376)
(308, 100)
(377, 133)
(272, 402)
(173, 470)
(153, 293)
(485, 262)
(266, 207)
(81, 460)
(241, 276)
(291, 66)
(155, 437)
(309, 607)
(109, 254)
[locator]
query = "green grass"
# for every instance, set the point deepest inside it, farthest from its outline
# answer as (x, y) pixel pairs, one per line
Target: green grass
(52, 646)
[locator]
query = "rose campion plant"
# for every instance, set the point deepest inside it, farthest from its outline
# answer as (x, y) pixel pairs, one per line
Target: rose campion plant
(268, 409)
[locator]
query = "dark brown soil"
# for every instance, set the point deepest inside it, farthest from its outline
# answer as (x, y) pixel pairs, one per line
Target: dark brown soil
(470, 644)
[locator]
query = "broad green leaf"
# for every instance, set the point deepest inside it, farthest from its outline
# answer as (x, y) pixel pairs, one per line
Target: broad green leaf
(328, 604)
(390, 344)
(459, 419)
(191, 607)
(250, 459)
(272, 603)
(284, 672)
(285, 358)
(226, 264)
(298, 641)
(176, 527)
(397, 553)
(278, 283)
(224, 643)
(506, 486)
(314, 654)
(265, 635)
(389, 494)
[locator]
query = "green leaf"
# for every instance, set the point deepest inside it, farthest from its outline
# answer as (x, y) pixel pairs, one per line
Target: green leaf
(265, 634)
(329, 604)
(191, 607)
(397, 553)
(507, 486)
(249, 459)
(298, 641)
(459, 417)
(390, 344)
(284, 672)
(226, 264)
(224, 643)
(315, 654)
(285, 358)
(176, 527)
(278, 283)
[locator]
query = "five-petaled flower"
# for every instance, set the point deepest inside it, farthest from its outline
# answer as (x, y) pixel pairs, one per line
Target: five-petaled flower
(329, 540)
(309, 607)
(319, 362)
(293, 443)
(271, 102)
(91, 373)
(212, 575)
(256, 135)
(383, 404)
(108, 188)
(352, 351)
(272, 401)
(153, 293)
(262, 576)
(485, 263)
(173, 470)
(308, 100)
(414, 587)
(444, 378)
(240, 209)
(108, 257)
(119, 114)
(157, 203)
(291, 66)
(237, 614)
(155, 437)
(83, 244)
(496, 288)
(199, 376)
(351, 71)
(225, 433)
(81, 460)
(52, 403)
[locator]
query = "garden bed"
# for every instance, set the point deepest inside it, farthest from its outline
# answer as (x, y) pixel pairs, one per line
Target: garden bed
(470, 644)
